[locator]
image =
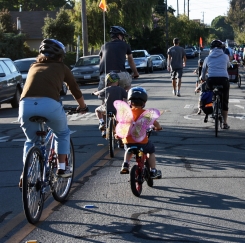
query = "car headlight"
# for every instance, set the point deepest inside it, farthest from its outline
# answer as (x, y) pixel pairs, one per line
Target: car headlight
(75, 73)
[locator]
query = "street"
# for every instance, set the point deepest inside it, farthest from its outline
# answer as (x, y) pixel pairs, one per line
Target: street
(201, 197)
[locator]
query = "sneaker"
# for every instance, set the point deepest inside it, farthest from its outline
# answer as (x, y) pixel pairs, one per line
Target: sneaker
(64, 173)
(103, 134)
(199, 112)
(156, 174)
(102, 126)
(174, 92)
(178, 93)
(125, 168)
(226, 126)
(206, 119)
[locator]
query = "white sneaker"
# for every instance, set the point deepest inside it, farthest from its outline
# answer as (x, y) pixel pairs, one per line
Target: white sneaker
(64, 173)
(174, 92)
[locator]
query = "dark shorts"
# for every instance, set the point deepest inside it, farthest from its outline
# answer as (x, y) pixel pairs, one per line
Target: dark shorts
(176, 73)
(148, 148)
(226, 87)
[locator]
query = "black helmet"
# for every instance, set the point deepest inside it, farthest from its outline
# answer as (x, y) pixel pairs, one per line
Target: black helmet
(51, 47)
(116, 30)
(112, 77)
(200, 61)
(137, 93)
(216, 43)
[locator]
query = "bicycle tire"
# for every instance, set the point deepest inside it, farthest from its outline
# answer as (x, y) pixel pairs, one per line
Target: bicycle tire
(111, 138)
(148, 178)
(32, 196)
(136, 187)
(216, 116)
(61, 186)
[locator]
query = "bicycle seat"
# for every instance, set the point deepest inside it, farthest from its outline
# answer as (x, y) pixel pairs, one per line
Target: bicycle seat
(38, 119)
(217, 87)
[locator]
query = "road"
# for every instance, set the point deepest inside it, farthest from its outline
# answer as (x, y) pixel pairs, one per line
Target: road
(201, 197)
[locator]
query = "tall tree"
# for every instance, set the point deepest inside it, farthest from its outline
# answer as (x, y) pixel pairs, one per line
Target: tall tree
(6, 23)
(60, 28)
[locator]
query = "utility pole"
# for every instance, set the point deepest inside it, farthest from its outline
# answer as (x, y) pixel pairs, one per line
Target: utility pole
(177, 8)
(84, 28)
(202, 17)
(166, 26)
(188, 8)
(184, 7)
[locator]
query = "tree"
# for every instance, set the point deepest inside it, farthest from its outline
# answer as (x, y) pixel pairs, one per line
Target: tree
(60, 28)
(6, 23)
(34, 5)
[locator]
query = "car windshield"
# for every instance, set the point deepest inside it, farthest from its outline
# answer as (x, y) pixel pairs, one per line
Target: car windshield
(138, 54)
(24, 66)
(154, 58)
(88, 61)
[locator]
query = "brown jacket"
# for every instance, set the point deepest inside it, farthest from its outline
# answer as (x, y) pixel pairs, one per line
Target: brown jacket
(46, 79)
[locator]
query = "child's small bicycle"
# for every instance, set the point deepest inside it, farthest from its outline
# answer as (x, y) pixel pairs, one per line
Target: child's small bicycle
(141, 171)
(39, 173)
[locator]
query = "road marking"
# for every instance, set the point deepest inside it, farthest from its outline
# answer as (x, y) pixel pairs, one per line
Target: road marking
(2, 139)
(189, 118)
(234, 101)
(239, 106)
(189, 106)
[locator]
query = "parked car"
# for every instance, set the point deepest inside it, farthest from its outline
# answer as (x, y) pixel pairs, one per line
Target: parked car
(86, 69)
(164, 59)
(142, 60)
(190, 53)
(158, 62)
(11, 83)
(24, 65)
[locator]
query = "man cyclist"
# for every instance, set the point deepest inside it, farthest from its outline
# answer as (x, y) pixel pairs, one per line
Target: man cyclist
(113, 57)
(40, 97)
(216, 63)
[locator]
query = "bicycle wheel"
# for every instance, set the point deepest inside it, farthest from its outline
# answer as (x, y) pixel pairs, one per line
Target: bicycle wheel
(216, 114)
(111, 138)
(61, 186)
(32, 196)
(135, 183)
(148, 178)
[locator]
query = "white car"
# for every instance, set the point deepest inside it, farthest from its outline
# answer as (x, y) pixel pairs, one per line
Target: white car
(158, 62)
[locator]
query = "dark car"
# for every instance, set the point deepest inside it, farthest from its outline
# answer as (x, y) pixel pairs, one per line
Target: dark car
(190, 53)
(24, 65)
(86, 69)
(11, 83)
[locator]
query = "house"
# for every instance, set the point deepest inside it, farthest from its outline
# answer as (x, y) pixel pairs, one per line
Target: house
(31, 23)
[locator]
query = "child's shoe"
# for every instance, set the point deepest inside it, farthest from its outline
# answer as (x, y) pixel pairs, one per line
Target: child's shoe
(125, 168)
(103, 134)
(102, 126)
(155, 174)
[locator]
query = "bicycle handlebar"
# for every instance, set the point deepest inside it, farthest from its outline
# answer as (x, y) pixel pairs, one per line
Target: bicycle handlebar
(72, 110)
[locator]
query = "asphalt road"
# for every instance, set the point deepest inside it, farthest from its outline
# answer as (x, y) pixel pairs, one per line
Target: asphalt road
(201, 197)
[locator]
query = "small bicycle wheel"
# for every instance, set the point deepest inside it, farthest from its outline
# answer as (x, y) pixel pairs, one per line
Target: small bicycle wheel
(148, 178)
(216, 114)
(136, 185)
(32, 196)
(239, 82)
(111, 138)
(61, 186)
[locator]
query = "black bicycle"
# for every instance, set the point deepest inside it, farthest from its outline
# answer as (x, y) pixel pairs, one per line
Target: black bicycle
(39, 173)
(217, 108)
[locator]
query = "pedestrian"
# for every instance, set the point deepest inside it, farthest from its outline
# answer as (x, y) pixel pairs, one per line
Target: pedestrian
(176, 62)
(113, 56)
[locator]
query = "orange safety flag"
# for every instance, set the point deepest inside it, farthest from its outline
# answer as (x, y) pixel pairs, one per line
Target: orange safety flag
(200, 42)
(102, 5)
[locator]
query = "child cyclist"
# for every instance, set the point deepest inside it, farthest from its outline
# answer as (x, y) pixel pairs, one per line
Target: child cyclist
(110, 93)
(137, 98)
(198, 71)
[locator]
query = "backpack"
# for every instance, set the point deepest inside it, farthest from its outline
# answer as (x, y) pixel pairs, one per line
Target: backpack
(206, 102)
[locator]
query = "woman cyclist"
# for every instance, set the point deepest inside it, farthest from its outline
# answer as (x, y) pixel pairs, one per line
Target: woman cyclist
(40, 97)
(216, 63)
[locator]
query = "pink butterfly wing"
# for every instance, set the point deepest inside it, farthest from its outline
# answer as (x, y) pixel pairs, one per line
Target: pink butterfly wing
(124, 118)
(146, 119)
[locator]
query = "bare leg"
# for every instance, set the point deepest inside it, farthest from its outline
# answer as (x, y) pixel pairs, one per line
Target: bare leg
(225, 115)
(61, 160)
(152, 160)
(174, 83)
(179, 84)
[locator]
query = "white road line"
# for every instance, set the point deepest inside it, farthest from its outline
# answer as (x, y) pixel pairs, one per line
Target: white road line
(234, 101)
(189, 118)
(239, 106)
(188, 106)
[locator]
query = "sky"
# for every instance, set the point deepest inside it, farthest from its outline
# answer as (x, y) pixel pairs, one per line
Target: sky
(205, 10)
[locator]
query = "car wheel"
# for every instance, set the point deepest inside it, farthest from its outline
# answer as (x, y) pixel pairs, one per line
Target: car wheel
(64, 90)
(16, 100)
(147, 69)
